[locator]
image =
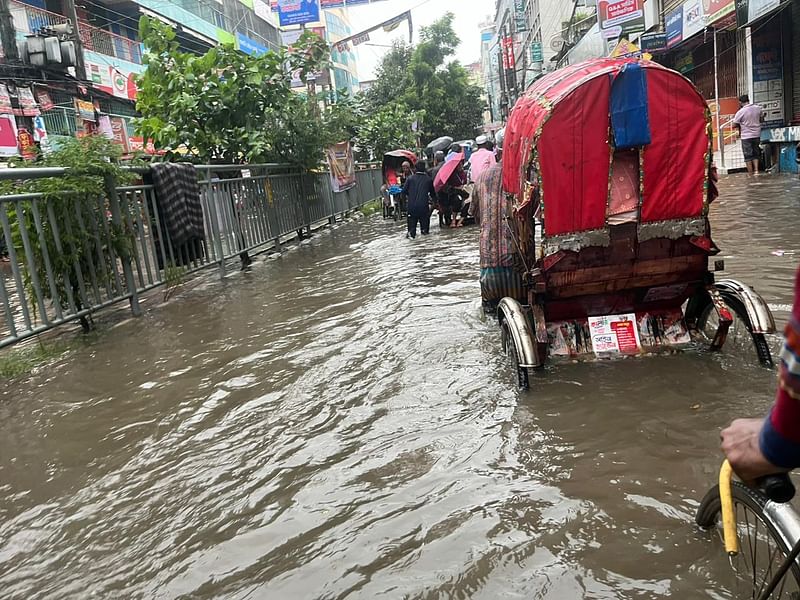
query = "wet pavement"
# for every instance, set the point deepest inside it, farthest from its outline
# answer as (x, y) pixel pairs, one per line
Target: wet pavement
(340, 423)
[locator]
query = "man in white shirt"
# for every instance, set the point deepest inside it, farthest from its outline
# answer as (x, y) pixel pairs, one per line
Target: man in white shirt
(481, 159)
(748, 122)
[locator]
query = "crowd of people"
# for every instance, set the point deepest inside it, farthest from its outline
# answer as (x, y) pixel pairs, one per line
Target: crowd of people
(443, 187)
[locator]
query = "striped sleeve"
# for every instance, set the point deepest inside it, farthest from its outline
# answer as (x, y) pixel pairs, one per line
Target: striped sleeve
(780, 436)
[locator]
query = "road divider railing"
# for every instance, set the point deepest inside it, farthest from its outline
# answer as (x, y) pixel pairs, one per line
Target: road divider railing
(68, 255)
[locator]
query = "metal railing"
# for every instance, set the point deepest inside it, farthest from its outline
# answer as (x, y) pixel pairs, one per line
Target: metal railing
(110, 44)
(72, 255)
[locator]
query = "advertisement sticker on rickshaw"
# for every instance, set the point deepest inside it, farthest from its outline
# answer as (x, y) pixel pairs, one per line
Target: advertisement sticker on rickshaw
(615, 334)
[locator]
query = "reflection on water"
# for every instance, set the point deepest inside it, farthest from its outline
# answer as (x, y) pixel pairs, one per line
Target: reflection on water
(340, 423)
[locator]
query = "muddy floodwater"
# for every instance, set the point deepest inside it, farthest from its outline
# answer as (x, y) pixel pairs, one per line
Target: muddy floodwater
(341, 423)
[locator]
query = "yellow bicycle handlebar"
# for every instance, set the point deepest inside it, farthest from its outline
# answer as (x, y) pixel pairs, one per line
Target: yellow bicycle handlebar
(726, 510)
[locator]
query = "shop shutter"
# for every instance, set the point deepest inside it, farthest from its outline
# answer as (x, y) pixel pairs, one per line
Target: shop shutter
(795, 52)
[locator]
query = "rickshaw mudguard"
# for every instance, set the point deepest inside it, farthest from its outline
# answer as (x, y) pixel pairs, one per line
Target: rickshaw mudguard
(510, 311)
(758, 311)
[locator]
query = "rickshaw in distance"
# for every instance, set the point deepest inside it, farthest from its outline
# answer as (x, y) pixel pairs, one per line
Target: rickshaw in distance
(608, 164)
(391, 167)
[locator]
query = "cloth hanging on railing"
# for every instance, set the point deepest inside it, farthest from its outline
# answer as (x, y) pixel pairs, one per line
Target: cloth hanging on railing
(181, 213)
(178, 195)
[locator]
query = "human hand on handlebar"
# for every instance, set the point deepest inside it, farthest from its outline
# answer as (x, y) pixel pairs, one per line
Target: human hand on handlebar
(740, 443)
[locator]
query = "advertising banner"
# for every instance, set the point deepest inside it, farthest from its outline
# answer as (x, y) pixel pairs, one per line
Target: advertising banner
(620, 17)
(298, 12)
(342, 166)
(85, 110)
(674, 27)
(119, 133)
(536, 52)
(8, 136)
(615, 334)
(27, 147)
(5, 101)
(27, 102)
(45, 102)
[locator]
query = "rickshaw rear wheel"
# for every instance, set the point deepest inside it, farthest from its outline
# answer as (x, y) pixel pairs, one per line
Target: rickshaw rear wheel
(740, 334)
(523, 378)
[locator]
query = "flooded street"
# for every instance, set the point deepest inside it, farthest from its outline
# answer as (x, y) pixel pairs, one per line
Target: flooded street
(340, 423)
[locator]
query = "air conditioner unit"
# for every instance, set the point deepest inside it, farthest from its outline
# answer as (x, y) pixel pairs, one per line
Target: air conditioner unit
(53, 50)
(69, 56)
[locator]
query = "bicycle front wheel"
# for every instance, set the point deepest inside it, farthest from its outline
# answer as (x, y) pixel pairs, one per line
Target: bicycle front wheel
(762, 549)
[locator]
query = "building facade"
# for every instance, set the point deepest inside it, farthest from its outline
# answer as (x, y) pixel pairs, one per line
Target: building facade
(53, 100)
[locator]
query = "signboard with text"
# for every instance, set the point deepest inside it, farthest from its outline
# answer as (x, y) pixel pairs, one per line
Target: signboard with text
(298, 12)
(620, 17)
(615, 334)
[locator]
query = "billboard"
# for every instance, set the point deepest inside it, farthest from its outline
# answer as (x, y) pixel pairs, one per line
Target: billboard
(298, 12)
(620, 17)
(674, 27)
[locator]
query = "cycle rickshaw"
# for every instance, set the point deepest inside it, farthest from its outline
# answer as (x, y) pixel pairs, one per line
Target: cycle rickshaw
(609, 166)
(391, 168)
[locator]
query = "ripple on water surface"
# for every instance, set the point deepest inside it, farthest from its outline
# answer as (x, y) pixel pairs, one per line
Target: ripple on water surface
(340, 422)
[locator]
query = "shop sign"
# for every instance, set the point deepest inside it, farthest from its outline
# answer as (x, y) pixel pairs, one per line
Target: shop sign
(5, 100)
(768, 77)
(115, 80)
(85, 110)
(27, 102)
(693, 18)
(716, 10)
(27, 147)
(781, 134)
(520, 21)
(331, 3)
(360, 39)
(624, 16)
(536, 52)
(684, 63)
(674, 27)
(653, 42)
(750, 10)
(249, 46)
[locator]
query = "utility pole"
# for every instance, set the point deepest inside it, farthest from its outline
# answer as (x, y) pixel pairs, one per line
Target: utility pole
(72, 15)
(7, 33)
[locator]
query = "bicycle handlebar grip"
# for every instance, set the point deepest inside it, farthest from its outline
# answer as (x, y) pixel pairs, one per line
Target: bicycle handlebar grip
(778, 488)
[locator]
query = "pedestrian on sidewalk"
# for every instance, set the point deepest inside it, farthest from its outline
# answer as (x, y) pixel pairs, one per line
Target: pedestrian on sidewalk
(748, 122)
(421, 194)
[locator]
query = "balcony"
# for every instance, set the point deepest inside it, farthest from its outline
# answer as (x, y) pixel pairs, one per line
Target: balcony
(29, 20)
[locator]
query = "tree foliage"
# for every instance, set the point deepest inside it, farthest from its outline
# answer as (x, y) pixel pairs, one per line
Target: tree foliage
(389, 128)
(230, 107)
(74, 233)
(423, 80)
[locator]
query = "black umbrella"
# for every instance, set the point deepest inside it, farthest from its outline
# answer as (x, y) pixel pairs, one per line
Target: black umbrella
(439, 144)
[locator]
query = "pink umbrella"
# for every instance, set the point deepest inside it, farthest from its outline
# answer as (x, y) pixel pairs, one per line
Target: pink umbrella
(447, 170)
